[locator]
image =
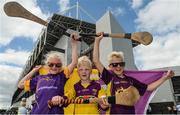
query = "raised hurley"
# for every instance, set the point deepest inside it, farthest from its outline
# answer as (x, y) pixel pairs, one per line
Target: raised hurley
(14, 9)
(144, 38)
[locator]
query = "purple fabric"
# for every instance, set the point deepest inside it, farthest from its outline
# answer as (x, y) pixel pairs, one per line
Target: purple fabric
(146, 77)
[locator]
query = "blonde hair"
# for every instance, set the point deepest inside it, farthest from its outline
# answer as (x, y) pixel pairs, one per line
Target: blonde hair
(115, 54)
(84, 60)
(52, 54)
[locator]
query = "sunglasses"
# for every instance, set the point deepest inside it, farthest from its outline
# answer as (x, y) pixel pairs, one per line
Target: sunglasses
(56, 65)
(121, 64)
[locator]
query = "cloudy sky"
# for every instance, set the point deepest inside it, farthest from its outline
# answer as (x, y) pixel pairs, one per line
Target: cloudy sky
(159, 17)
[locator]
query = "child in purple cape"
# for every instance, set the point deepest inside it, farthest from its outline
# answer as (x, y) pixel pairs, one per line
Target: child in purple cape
(128, 88)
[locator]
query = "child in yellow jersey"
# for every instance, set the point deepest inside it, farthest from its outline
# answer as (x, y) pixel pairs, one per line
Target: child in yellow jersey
(86, 88)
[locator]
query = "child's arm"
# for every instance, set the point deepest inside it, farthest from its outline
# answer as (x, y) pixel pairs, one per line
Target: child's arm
(74, 45)
(160, 81)
(103, 103)
(96, 57)
(28, 76)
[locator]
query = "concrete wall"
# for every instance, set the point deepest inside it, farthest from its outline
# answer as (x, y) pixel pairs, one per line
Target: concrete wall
(165, 92)
(65, 43)
(108, 24)
(62, 43)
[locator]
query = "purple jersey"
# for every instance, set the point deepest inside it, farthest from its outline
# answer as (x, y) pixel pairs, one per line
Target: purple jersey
(92, 89)
(46, 87)
(118, 83)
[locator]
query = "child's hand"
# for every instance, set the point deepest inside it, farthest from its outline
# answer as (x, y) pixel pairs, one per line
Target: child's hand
(169, 74)
(56, 100)
(74, 36)
(103, 103)
(100, 36)
(36, 68)
(74, 39)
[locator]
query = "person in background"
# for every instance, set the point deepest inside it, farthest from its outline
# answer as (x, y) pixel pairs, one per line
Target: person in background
(178, 108)
(22, 110)
(128, 88)
(149, 110)
(169, 110)
(50, 86)
(174, 109)
(86, 88)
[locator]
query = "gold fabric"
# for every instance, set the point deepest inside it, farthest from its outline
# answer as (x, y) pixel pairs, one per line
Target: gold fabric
(127, 96)
(27, 85)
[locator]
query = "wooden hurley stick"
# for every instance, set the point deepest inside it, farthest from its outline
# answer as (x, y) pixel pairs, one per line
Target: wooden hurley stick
(83, 100)
(14, 9)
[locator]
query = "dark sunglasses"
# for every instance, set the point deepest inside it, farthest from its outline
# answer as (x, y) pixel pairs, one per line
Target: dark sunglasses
(56, 65)
(121, 64)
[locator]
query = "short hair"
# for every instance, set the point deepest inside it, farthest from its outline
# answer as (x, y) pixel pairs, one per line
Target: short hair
(52, 54)
(115, 54)
(84, 60)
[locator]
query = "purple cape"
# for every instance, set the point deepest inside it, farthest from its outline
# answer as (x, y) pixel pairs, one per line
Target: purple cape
(146, 77)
